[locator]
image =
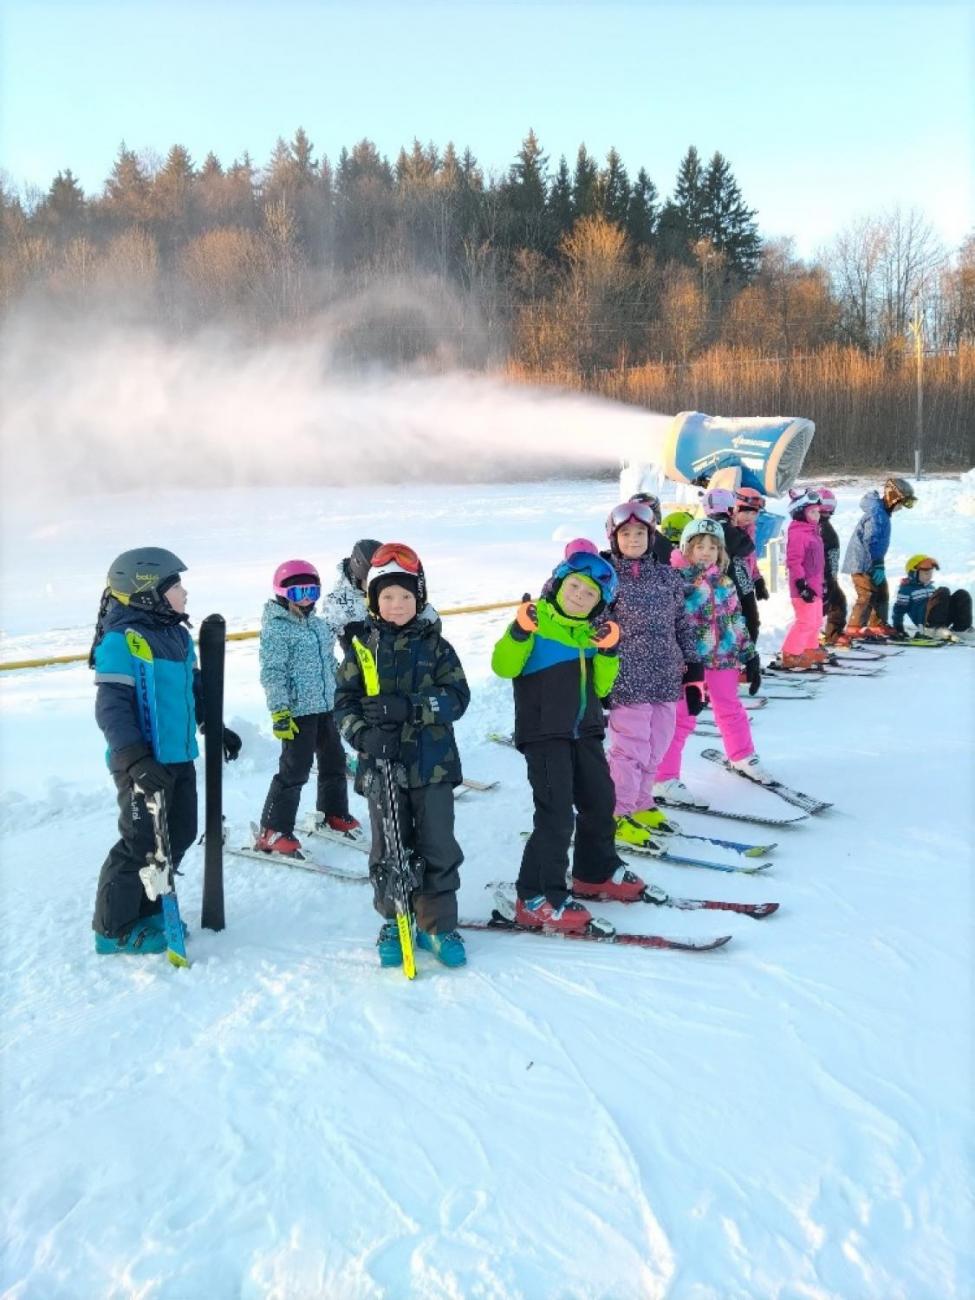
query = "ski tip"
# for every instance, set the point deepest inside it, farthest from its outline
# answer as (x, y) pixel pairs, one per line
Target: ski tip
(761, 910)
(177, 959)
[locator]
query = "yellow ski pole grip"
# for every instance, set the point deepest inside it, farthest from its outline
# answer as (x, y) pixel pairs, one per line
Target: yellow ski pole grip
(367, 666)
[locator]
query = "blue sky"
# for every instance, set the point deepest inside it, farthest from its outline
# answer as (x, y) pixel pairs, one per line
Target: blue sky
(826, 111)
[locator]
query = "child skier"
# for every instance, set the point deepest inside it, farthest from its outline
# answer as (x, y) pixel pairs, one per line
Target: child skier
(722, 645)
(147, 703)
(564, 661)
(805, 562)
(865, 556)
(718, 503)
(744, 515)
(658, 660)
(935, 611)
(344, 608)
(834, 600)
(423, 692)
(297, 657)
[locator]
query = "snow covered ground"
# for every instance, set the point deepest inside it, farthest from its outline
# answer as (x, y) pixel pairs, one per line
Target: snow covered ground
(789, 1117)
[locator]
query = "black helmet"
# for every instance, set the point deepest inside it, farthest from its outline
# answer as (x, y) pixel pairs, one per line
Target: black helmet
(653, 502)
(361, 559)
(139, 577)
(898, 492)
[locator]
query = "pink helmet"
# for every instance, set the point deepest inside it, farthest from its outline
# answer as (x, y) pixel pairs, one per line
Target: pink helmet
(827, 501)
(718, 501)
(292, 573)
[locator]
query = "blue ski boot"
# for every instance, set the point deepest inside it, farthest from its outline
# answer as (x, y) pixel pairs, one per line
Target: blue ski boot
(447, 948)
(143, 938)
(390, 949)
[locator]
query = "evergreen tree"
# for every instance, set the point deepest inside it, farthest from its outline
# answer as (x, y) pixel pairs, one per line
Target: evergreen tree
(302, 156)
(689, 194)
(613, 189)
(641, 212)
(584, 182)
(171, 189)
(525, 195)
(127, 189)
(560, 206)
(726, 221)
(64, 210)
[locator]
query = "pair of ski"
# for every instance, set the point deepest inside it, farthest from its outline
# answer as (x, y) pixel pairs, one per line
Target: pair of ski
(822, 670)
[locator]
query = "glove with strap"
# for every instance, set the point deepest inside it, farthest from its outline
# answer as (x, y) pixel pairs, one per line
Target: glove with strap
(878, 575)
(231, 744)
(283, 725)
(806, 592)
(695, 691)
(606, 639)
(378, 742)
(526, 620)
(753, 671)
(761, 591)
(381, 710)
(150, 776)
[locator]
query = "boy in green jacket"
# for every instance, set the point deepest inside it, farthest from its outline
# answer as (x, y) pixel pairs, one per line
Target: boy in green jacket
(563, 660)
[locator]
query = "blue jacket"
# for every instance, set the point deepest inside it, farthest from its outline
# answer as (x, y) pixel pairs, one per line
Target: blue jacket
(871, 537)
(297, 661)
(912, 602)
(175, 682)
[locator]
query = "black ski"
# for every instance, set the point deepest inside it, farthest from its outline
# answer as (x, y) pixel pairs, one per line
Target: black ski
(213, 639)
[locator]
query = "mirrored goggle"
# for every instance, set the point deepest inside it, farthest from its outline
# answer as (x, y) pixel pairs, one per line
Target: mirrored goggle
(306, 591)
(396, 553)
(638, 510)
(593, 566)
(750, 503)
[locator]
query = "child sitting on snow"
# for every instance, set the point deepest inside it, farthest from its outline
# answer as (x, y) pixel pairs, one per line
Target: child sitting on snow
(935, 611)
(563, 660)
(722, 644)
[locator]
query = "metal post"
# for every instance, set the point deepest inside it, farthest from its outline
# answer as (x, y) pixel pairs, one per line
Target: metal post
(917, 329)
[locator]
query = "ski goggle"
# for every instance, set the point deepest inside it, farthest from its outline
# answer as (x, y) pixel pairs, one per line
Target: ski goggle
(396, 553)
(592, 566)
(755, 503)
(306, 591)
(629, 510)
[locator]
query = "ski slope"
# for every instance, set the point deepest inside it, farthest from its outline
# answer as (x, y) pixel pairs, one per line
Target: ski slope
(789, 1117)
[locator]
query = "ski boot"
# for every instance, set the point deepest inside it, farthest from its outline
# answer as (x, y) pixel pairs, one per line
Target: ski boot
(539, 914)
(143, 938)
(938, 633)
(751, 767)
(268, 841)
(448, 948)
(630, 832)
(389, 946)
(655, 820)
(676, 792)
(623, 886)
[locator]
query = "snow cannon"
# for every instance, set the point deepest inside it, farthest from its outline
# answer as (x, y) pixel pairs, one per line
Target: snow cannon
(761, 452)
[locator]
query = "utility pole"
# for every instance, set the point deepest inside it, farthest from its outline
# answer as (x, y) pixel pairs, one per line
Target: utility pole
(917, 329)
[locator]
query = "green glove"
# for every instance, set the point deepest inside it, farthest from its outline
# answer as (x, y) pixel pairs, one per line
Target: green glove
(283, 725)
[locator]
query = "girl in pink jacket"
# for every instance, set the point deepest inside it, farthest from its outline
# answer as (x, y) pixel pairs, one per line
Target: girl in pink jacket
(805, 561)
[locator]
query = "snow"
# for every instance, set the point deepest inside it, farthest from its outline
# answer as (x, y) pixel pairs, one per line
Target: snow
(788, 1117)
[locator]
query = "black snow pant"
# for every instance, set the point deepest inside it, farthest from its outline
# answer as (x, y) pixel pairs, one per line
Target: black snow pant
(426, 819)
(749, 609)
(573, 791)
(834, 607)
(872, 602)
(121, 897)
(317, 738)
(951, 609)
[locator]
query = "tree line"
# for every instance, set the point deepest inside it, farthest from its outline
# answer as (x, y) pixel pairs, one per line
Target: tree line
(582, 272)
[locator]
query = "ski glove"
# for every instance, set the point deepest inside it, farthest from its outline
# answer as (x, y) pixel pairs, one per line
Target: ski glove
(378, 742)
(380, 710)
(526, 620)
(753, 671)
(806, 592)
(150, 776)
(283, 725)
(231, 744)
(878, 575)
(606, 639)
(695, 692)
(761, 591)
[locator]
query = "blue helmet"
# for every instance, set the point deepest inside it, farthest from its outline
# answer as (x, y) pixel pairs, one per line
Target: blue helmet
(592, 566)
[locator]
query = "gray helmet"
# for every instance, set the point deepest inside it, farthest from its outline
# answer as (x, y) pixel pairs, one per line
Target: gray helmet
(361, 559)
(134, 577)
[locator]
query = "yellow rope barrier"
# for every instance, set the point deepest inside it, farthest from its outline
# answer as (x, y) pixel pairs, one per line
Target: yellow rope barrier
(12, 664)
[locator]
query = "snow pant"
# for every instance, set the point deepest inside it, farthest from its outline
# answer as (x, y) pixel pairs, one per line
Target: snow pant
(834, 607)
(749, 608)
(639, 735)
(121, 900)
(426, 820)
(804, 632)
(317, 738)
(951, 609)
(872, 603)
(573, 792)
(732, 720)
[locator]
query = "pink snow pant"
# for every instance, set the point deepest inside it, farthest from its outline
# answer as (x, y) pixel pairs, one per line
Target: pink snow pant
(732, 720)
(804, 632)
(638, 738)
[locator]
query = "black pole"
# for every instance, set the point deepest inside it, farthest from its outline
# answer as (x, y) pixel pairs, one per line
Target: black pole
(213, 640)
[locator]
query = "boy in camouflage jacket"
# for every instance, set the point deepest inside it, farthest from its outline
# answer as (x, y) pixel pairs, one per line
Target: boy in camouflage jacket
(422, 692)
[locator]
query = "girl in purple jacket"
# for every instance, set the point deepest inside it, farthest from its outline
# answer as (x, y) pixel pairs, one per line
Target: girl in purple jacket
(658, 659)
(805, 561)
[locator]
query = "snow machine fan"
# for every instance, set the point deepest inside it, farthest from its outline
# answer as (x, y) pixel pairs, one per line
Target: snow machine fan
(762, 452)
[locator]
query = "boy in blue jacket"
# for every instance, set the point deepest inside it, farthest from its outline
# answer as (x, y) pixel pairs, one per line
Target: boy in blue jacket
(147, 703)
(866, 556)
